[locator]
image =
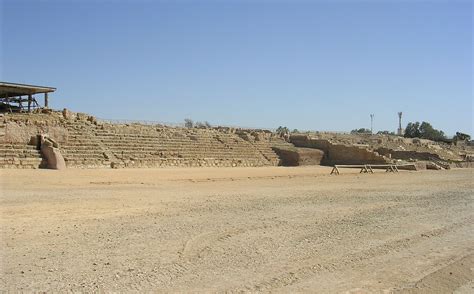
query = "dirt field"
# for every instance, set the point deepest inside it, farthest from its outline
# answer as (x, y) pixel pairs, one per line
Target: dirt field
(250, 229)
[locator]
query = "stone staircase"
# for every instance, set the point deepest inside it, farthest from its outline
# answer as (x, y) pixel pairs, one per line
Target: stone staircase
(82, 149)
(19, 155)
(439, 164)
(155, 147)
(2, 131)
(86, 143)
(265, 147)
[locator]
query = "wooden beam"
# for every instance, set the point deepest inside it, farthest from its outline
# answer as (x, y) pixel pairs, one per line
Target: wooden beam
(30, 98)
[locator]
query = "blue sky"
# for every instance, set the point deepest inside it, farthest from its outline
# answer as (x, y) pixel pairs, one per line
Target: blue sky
(317, 65)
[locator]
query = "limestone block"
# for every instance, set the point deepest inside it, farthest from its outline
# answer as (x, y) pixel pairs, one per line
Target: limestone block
(67, 114)
(54, 159)
(35, 141)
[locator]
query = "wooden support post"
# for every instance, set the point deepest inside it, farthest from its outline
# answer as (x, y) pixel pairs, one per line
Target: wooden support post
(45, 100)
(369, 169)
(390, 169)
(30, 98)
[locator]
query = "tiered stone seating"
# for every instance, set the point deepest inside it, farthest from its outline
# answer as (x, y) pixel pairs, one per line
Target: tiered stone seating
(81, 148)
(151, 146)
(265, 147)
(19, 155)
(85, 142)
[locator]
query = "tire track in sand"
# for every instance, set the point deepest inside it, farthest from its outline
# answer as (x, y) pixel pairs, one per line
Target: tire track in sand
(313, 267)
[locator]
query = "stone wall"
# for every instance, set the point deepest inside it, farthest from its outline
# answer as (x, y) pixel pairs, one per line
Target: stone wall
(444, 150)
(338, 153)
(19, 128)
(407, 155)
(341, 154)
(310, 156)
(299, 156)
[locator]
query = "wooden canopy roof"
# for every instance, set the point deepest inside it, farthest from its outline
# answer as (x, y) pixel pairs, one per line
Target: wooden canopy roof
(12, 89)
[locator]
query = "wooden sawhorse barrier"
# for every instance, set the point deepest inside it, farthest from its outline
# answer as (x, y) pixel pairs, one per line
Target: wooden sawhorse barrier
(366, 168)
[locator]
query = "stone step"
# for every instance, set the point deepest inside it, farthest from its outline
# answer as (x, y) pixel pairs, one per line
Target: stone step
(17, 146)
(184, 151)
(201, 161)
(154, 140)
(83, 157)
(21, 161)
(18, 166)
(159, 147)
(20, 156)
(82, 151)
(80, 143)
(196, 155)
(85, 161)
(170, 145)
(173, 147)
(18, 150)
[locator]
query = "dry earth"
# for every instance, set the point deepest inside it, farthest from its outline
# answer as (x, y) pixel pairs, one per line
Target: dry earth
(232, 229)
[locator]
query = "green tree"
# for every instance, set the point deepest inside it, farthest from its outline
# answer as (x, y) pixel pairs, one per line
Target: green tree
(361, 131)
(461, 137)
(428, 132)
(412, 130)
(424, 131)
(282, 130)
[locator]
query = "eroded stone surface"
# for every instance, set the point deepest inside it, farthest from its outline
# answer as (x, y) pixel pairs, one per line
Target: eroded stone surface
(89, 143)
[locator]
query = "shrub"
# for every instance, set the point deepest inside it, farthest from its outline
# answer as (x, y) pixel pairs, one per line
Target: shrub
(188, 123)
(461, 137)
(282, 130)
(361, 131)
(385, 133)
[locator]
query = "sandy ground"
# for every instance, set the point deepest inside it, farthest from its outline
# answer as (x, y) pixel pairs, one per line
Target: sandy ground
(237, 229)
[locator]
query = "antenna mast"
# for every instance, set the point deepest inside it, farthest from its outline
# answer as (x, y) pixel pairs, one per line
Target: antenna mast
(372, 123)
(400, 130)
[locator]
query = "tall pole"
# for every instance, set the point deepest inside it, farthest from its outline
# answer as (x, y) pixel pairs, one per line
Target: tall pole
(372, 123)
(400, 130)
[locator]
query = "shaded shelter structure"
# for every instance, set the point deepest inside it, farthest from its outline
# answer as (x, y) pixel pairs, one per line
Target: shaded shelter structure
(19, 97)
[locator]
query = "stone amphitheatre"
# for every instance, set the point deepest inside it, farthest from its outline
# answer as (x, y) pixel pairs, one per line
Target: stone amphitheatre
(85, 142)
(147, 207)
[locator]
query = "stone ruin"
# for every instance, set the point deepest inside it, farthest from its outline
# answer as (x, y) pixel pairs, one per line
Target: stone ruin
(85, 142)
(56, 139)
